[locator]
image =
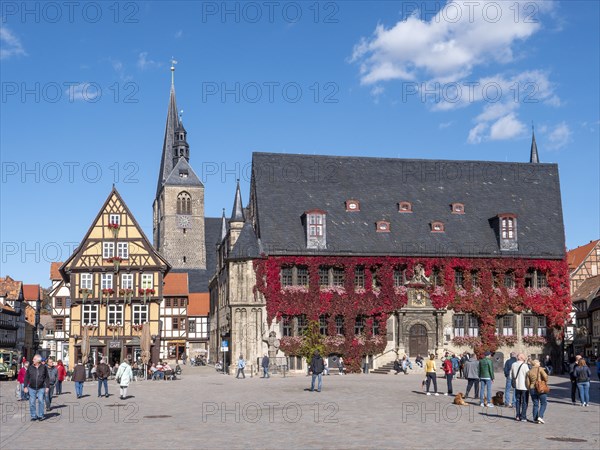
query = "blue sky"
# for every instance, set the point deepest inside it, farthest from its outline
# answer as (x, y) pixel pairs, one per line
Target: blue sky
(85, 93)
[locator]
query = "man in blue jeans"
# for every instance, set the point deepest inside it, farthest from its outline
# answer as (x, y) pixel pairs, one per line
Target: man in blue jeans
(509, 396)
(37, 385)
(316, 366)
(486, 377)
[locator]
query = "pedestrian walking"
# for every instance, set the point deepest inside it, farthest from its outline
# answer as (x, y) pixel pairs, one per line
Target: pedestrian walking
(241, 365)
(539, 399)
(21, 380)
(183, 358)
(486, 378)
(36, 385)
(518, 374)
(430, 373)
(62, 374)
(325, 366)
(548, 365)
(53, 379)
(316, 367)
(265, 366)
(341, 365)
(471, 373)
(449, 372)
(463, 360)
(103, 372)
(572, 366)
(124, 376)
(79, 378)
(509, 392)
(583, 375)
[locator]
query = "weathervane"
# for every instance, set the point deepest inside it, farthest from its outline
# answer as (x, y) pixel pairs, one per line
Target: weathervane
(173, 62)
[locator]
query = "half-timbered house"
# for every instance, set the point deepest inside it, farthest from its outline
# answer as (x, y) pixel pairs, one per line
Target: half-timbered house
(60, 310)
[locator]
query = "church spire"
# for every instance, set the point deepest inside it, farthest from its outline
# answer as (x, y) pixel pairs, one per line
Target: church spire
(533, 157)
(167, 161)
(223, 226)
(237, 214)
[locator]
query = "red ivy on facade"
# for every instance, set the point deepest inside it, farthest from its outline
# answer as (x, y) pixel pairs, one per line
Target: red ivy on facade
(488, 300)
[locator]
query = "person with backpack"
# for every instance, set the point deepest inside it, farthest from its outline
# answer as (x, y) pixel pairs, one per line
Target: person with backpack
(455, 364)
(316, 367)
(509, 392)
(471, 373)
(449, 372)
(583, 375)
(241, 365)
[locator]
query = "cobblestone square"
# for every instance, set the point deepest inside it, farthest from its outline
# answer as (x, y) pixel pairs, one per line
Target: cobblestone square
(206, 409)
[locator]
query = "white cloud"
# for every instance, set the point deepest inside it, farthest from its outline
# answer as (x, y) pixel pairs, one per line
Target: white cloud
(507, 127)
(443, 125)
(178, 34)
(10, 44)
(559, 136)
(476, 133)
(83, 92)
(447, 47)
(144, 63)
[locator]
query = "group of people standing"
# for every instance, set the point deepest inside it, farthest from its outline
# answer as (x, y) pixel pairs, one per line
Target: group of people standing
(39, 380)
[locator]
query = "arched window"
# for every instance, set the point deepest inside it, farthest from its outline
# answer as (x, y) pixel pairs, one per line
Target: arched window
(184, 203)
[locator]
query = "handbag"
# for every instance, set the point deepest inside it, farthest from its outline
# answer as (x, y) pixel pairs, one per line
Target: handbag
(540, 385)
(513, 381)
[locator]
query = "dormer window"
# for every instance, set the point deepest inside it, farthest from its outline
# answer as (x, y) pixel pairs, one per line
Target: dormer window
(458, 208)
(316, 228)
(183, 173)
(383, 226)
(437, 227)
(507, 223)
(405, 207)
(352, 205)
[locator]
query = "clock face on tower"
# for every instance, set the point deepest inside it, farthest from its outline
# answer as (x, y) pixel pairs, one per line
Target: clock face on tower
(183, 221)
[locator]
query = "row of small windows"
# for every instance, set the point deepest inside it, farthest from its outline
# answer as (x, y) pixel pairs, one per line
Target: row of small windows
(297, 325)
(336, 277)
(531, 325)
(115, 315)
(108, 250)
(404, 207)
(86, 281)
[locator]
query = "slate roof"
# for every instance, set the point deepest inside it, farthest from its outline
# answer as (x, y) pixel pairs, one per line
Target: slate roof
(198, 278)
(287, 185)
(174, 179)
(247, 244)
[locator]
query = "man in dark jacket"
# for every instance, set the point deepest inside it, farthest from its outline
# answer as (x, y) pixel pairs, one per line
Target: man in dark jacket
(509, 393)
(37, 385)
(52, 379)
(103, 372)
(265, 366)
(471, 373)
(316, 366)
(79, 378)
(486, 378)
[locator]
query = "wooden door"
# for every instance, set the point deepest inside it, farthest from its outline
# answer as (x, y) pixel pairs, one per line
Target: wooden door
(418, 343)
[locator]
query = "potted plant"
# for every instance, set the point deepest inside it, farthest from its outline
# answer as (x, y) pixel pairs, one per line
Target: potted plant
(114, 228)
(85, 293)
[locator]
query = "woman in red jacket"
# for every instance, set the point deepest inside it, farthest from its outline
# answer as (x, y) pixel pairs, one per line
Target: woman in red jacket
(62, 374)
(21, 379)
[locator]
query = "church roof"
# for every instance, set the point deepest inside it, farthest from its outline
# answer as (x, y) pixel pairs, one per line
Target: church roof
(531, 191)
(183, 175)
(247, 244)
(166, 162)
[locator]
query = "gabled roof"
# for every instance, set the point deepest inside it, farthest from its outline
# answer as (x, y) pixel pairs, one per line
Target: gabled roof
(579, 254)
(285, 186)
(54, 272)
(10, 289)
(79, 248)
(31, 292)
(175, 179)
(587, 290)
(175, 284)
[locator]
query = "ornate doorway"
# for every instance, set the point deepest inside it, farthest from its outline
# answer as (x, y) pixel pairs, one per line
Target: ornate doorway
(418, 343)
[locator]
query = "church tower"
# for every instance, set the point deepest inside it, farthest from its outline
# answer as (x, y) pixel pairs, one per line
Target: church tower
(178, 208)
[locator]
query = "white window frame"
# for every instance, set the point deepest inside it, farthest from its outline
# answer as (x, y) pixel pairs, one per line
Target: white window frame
(106, 281)
(123, 250)
(115, 315)
(202, 327)
(459, 330)
(138, 312)
(126, 281)
(529, 330)
(86, 281)
(144, 281)
(473, 325)
(315, 225)
(91, 311)
(108, 250)
(508, 228)
(115, 218)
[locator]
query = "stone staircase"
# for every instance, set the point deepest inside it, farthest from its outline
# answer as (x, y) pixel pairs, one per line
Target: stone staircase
(388, 368)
